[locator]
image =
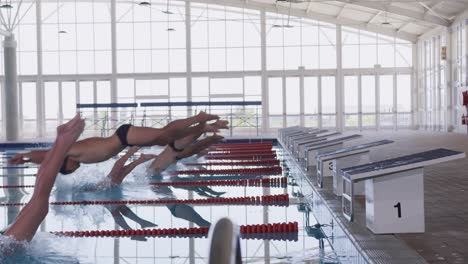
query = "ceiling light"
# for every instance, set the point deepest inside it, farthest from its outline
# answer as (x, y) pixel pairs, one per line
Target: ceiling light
(170, 29)
(282, 26)
(167, 12)
(144, 3)
(7, 6)
(62, 32)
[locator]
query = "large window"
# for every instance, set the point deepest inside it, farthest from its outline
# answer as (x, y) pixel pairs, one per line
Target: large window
(225, 38)
(311, 101)
(363, 49)
(351, 101)
(294, 42)
(275, 101)
(178, 51)
(75, 40)
(149, 40)
(328, 100)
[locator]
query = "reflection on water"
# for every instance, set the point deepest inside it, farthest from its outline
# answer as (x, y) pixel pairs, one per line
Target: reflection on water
(47, 248)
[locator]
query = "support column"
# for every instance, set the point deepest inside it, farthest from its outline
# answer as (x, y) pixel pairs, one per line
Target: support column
(449, 117)
(10, 89)
(40, 94)
(113, 81)
(301, 95)
(188, 48)
(415, 87)
(339, 98)
(265, 103)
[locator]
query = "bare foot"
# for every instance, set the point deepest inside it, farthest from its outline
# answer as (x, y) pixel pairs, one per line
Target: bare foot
(221, 124)
(207, 128)
(203, 116)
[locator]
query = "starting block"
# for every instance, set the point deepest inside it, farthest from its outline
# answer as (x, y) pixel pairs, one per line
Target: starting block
(394, 191)
(331, 163)
(290, 139)
(284, 132)
(298, 145)
(312, 150)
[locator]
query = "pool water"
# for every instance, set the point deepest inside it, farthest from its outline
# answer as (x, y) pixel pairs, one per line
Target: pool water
(48, 248)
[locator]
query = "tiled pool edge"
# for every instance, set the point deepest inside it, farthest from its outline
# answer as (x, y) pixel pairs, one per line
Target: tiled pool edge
(342, 242)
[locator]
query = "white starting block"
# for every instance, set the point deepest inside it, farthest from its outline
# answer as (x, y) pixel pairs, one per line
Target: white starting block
(304, 135)
(283, 132)
(295, 134)
(330, 164)
(298, 145)
(394, 191)
(312, 150)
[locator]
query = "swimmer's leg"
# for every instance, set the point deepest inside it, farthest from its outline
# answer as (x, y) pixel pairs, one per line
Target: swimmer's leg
(120, 221)
(124, 210)
(188, 213)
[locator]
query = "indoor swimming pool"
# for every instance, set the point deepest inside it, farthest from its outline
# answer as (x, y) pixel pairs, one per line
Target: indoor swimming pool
(171, 209)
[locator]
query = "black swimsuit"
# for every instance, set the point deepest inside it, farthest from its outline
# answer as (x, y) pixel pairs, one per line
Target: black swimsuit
(121, 133)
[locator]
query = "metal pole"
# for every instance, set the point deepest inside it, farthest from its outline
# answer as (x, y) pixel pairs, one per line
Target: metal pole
(339, 100)
(113, 80)
(10, 89)
(40, 94)
(265, 103)
(188, 46)
(450, 111)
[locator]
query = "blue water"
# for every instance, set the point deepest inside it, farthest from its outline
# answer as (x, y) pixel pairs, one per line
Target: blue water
(48, 248)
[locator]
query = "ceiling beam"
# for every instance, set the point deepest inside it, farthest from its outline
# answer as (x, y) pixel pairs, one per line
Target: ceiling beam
(341, 11)
(374, 17)
(400, 29)
(400, 11)
(315, 16)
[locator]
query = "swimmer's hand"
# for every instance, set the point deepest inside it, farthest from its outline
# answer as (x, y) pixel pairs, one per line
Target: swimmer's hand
(18, 159)
(69, 132)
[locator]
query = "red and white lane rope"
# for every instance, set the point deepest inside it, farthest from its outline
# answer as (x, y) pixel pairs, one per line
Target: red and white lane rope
(276, 231)
(241, 157)
(273, 200)
(237, 163)
(271, 182)
(249, 171)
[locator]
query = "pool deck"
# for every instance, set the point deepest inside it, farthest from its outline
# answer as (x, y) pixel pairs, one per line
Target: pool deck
(446, 213)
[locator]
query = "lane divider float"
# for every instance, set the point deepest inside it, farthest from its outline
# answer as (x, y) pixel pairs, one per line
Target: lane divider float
(270, 200)
(274, 169)
(237, 163)
(271, 182)
(276, 231)
(241, 157)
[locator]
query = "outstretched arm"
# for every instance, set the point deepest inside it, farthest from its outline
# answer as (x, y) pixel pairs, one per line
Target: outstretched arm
(31, 216)
(186, 141)
(120, 163)
(120, 170)
(197, 147)
(35, 156)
